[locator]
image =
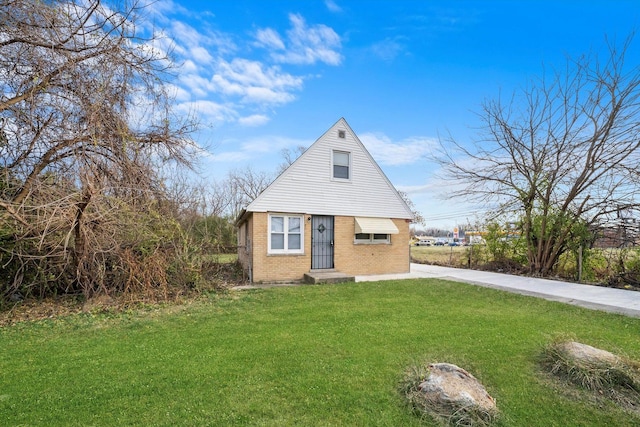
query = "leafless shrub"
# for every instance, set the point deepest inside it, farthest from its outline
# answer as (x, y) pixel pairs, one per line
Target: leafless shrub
(86, 125)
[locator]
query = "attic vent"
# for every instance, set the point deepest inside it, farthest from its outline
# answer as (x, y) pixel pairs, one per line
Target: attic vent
(341, 134)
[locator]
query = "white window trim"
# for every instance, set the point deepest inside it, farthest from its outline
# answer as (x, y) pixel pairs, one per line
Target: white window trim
(350, 165)
(371, 241)
(286, 250)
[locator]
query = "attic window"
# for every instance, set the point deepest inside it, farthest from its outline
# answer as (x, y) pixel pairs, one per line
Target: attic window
(341, 134)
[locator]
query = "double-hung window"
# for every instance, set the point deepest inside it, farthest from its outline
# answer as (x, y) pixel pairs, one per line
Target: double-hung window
(286, 234)
(341, 165)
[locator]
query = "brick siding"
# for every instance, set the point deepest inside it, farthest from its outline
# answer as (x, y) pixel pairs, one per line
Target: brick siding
(362, 259)
(349, 258)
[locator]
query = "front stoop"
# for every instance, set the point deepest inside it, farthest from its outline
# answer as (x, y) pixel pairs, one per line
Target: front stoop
(327, 276)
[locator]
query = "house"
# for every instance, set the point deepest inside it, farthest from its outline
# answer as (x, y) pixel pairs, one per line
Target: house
(333, 209)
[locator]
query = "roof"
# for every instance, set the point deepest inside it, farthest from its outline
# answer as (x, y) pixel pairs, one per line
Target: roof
(307, 185)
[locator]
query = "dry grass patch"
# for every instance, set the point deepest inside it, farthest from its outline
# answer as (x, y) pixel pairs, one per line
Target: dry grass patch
(439, 255)
(448, 395)
(598, 371)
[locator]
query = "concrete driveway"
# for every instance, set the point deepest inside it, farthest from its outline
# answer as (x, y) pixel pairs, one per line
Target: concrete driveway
(594, 297)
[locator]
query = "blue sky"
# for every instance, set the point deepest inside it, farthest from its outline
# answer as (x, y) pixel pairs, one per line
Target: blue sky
(263, 75)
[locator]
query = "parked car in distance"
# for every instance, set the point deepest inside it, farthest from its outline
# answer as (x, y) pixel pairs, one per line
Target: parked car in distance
(454, 244)
(439, 243)
(424, 242)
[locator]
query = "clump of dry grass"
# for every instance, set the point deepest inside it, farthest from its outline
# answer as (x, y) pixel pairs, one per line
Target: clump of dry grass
(592, 372)
(598, 371)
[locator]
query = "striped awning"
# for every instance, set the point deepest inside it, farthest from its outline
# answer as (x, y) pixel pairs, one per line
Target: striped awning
(375, 226)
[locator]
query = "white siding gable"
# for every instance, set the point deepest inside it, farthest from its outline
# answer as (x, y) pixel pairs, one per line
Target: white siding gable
(307, 186)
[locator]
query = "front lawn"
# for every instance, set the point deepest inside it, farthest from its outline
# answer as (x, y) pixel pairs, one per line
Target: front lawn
(328, 355)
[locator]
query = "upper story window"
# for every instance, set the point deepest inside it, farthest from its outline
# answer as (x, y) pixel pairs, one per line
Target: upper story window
(286, 234)
(341, 165)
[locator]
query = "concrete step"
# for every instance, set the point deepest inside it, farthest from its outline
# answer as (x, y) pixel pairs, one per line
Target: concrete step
(327, 276)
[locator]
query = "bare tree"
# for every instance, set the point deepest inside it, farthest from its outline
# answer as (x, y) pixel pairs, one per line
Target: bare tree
(418, 218)
(289, 156)
(86, 126)
(561, 155)
(244, 185)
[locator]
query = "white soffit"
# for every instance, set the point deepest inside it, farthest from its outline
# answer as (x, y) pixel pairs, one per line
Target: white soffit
(375, 226)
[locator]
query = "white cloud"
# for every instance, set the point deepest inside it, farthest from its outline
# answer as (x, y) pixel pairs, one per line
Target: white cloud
(269, 38)
(432, 200)
(177, 93)
(201, 55)
(332, 6)
(159, 9)
(253, 120)
(209, 110)
(217, 75)
(230, 157)
(427, 187)
(387, 49)
(189, 43)
(268, 144)
(189, 66)
(200, 87)
(387, 152)
(256, 148)
(265, 95)
(255, 83)
(185, 33)
(305, 44)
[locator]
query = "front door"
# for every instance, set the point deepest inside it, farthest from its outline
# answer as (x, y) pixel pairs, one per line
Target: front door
(321, 242)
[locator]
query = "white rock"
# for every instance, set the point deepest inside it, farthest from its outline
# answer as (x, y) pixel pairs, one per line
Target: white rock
(451, 385)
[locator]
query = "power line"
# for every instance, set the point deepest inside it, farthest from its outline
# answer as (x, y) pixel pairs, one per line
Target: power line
(453, 215)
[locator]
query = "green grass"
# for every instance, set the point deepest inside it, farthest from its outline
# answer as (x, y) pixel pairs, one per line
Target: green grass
(309, 355)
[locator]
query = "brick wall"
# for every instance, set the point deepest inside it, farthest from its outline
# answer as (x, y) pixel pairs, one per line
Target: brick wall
(349, 258)
(363, 259)
(277, 268)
